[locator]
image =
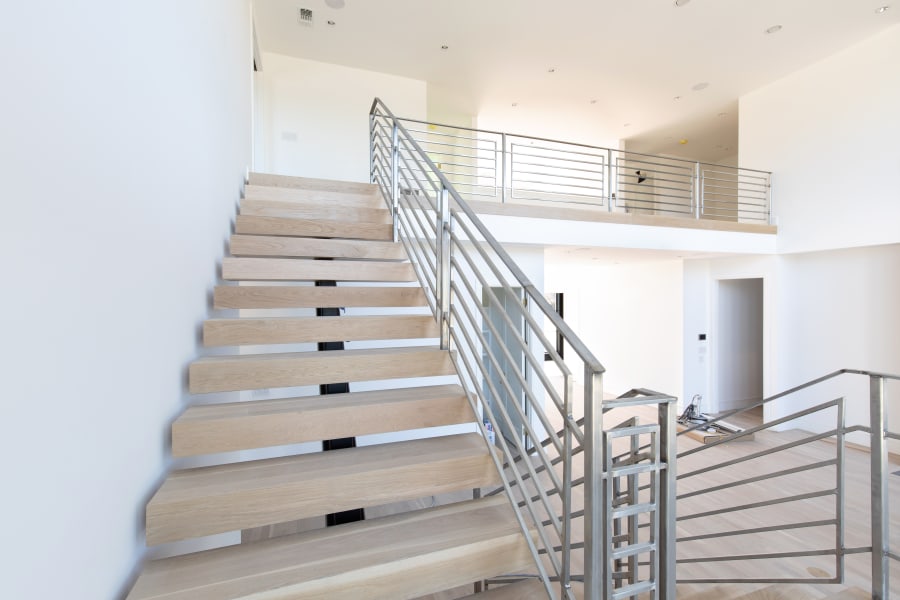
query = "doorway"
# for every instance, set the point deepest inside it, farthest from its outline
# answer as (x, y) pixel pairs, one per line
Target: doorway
(739, 354)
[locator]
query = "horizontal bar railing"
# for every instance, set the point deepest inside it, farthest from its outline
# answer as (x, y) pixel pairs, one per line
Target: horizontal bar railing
(751, 482)
(504, 167)
(503, 334)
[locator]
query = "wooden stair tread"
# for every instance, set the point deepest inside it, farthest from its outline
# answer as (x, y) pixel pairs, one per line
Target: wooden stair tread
(531, 589)
(303, 210)
(311, 183)
(288, 369)
(402, 556)
(288, 330)
(274, 245)
(324, 228)
(211, 428)
(370, 198)
(299, 269)
(209, 500)
(283, 296)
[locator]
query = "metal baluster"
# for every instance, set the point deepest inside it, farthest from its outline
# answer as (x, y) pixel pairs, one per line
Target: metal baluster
(395, 179)
(594, 555)
(565, 575)
(444, 266)
(665, 545)
(880, 521)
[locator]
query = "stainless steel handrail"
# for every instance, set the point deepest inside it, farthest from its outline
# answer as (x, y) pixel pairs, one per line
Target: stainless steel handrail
(494, 318)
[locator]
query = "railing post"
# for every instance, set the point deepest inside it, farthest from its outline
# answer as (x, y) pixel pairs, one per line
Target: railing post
(395, 176)
(666, 544)
(698, 191)
(372, 147)
(503, 168)
(879, 473)
(443, 274)
(770, 199)
(594, 551)
(566, 571)
(610, 181)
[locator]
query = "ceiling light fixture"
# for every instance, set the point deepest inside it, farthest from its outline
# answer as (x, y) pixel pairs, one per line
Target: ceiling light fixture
(593, 102)
(331, 22)
(445, 47)
(882, 9)
(677, 98)
(626, 125)
(773, 29)
(335, 4)
(681, 2)
(700, 86)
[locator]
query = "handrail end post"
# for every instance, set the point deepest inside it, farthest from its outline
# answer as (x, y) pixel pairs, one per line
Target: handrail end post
(879, 486)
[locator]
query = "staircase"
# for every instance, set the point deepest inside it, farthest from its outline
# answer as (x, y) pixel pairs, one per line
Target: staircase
(285, 227)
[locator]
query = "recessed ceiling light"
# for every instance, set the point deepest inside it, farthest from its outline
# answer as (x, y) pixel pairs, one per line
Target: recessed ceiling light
(681, 2)
(334, 4)
(445, 47)
(700, 86)
(882, 9)
(774, 29)
(331, 22)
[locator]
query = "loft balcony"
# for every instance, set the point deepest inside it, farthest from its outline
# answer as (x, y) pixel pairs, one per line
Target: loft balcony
(595, 195)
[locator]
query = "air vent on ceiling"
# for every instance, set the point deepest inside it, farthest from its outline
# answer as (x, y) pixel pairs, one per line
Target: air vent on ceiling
(305, 16)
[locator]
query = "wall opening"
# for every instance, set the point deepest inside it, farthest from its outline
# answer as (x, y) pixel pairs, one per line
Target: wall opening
(739, 348)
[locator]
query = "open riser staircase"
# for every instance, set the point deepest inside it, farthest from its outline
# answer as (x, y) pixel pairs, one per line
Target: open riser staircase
(290, 233)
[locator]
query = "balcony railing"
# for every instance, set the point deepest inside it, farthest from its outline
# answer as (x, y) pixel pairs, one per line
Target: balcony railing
(508, 168)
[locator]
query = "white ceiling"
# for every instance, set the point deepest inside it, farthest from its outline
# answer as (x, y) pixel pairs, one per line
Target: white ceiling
(616, 62)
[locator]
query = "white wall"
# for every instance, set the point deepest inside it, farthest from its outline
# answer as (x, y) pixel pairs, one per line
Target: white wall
(126, 136)
(315, 116)
(838, 310)
(830, 134)
(823, 311)
(630, 318)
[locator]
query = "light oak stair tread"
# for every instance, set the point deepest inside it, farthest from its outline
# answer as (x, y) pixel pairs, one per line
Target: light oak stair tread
(210, 500)
(311, 183)
(531, 589)
(274, 245)
(287, 369)
(211, 428)
(397, 557)
(370, 198)
(302, 210)
(324, 228)
(269, 296)
(288, 330)
(300, 269)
